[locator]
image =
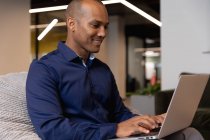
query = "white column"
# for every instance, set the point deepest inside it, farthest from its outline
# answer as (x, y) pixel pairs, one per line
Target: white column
(185, 39)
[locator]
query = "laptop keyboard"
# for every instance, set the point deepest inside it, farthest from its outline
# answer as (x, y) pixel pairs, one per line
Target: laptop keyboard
(152, 133)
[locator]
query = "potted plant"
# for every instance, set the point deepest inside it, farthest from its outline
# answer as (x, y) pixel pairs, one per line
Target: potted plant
(143, 100)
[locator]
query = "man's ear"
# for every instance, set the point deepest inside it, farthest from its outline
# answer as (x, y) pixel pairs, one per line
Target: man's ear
(71, 24)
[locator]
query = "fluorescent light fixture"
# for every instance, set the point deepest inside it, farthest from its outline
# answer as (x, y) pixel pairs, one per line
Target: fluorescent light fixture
(46, 30)
(124, 2)
(151, 54)
(111, 1)
(149, 41)
(140, 12)
(63, 7)
(47, 9)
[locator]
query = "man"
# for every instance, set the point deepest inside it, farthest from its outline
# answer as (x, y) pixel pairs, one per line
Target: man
(73, 96)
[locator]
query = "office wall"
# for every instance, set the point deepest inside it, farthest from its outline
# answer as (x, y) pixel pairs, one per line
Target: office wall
(185, 39)
(14, 36)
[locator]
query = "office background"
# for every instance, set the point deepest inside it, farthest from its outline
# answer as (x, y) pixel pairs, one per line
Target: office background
(185, 44)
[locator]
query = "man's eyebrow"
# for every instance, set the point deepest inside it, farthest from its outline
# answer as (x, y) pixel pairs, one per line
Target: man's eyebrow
(107, 23)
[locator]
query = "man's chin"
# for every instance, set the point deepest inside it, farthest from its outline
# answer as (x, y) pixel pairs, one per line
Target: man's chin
(95, 49)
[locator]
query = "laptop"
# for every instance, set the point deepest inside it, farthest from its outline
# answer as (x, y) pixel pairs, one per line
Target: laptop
(182, 107)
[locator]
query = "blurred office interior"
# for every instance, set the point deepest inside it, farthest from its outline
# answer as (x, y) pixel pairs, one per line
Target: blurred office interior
(138, 51)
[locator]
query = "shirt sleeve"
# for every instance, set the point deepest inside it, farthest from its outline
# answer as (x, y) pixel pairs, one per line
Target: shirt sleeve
(45, 110)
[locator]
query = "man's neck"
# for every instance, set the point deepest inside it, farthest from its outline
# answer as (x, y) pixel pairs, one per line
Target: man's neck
(79, 51)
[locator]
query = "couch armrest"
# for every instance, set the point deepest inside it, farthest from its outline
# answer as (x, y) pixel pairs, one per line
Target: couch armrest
(202, 119)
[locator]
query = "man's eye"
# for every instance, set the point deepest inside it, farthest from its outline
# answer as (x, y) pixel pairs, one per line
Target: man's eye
(106, 27)
(95, 25)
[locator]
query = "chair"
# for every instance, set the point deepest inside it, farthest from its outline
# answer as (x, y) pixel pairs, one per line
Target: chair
(14, 120)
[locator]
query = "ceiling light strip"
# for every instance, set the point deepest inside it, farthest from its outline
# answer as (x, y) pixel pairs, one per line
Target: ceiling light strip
(139, 11)
(47, 9)
(63, 7)
(46, 30)
(111, 1)
(124, 2)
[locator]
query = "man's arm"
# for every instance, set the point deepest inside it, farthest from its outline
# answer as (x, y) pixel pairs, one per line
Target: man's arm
(45, 110)
(129, 123)
(139, 124)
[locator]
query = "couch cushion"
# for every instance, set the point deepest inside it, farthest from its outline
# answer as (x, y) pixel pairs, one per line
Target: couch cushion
(202, 119)
(14, 120)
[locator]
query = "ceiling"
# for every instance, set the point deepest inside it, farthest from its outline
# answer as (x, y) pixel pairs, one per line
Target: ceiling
(135, 25)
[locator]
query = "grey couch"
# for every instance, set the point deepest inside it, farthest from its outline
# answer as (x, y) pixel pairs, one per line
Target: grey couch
(14, 120)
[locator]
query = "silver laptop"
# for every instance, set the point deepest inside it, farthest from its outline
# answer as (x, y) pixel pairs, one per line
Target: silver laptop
(182, 107)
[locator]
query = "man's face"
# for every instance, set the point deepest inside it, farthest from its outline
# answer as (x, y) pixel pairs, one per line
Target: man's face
(91, 27)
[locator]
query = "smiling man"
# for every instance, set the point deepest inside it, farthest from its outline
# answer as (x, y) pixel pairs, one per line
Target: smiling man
(71, 95)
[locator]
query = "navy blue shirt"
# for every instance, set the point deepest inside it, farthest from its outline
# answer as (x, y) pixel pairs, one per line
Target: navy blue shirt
(68, 100)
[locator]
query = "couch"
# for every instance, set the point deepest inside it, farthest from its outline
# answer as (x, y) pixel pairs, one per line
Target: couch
(14, 120)
(201, 119)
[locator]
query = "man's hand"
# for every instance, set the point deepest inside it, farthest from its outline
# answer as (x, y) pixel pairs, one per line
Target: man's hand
(139, 124)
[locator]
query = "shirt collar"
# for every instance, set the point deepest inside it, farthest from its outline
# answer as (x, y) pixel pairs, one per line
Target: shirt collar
(69, 54)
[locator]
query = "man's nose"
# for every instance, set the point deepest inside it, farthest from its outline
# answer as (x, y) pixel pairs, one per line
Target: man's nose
(102, 31)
